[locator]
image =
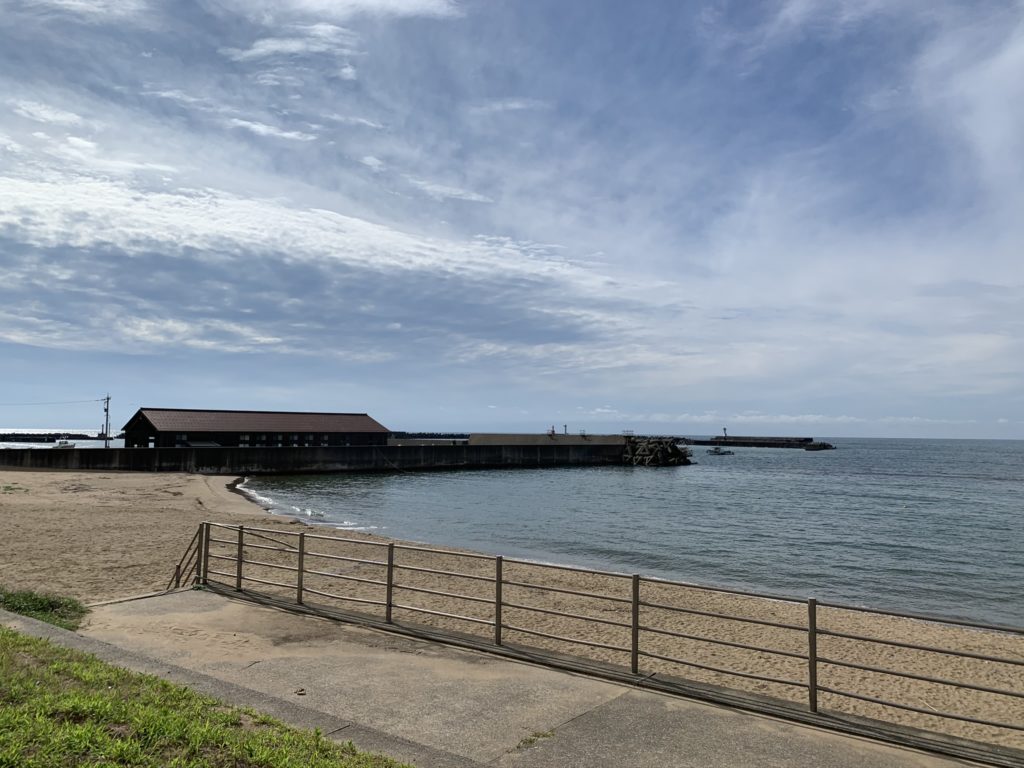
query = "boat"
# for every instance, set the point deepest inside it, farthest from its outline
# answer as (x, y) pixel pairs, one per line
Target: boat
(717, 451)
(63, 444)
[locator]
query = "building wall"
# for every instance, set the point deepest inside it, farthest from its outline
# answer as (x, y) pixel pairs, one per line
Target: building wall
(251, 461)
(140, 437)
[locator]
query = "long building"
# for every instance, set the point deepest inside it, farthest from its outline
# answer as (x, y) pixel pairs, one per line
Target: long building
(192, 428)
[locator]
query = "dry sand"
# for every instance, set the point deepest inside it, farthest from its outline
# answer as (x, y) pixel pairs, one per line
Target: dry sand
(107, 535)
(104, 535)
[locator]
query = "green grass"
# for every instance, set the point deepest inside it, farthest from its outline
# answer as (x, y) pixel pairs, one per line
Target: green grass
(533, 738)
(60, 707)
(65, 612)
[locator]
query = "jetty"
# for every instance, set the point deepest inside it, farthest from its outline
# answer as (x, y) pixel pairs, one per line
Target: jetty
(803, 443)
(409, 454)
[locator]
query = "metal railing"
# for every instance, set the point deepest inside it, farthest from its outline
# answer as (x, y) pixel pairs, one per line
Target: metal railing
(635, 611)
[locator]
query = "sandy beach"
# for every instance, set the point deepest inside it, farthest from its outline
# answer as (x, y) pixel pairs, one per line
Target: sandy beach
(105, 536)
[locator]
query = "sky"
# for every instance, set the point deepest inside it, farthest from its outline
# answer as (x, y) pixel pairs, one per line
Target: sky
(780, 217)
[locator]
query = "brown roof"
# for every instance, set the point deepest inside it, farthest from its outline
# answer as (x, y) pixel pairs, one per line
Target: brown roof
(190, 420)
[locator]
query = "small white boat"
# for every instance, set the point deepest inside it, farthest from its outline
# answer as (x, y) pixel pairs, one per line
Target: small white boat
(63, 444)
(717, 451)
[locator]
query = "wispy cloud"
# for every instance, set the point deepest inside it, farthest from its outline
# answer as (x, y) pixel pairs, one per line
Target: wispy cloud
(303, 39)
(805, 213)
(262, 129)
(445, 192)
(43, 113)
(508, 105)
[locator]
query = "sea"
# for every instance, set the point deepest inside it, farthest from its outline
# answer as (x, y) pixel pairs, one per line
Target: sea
(933, 527)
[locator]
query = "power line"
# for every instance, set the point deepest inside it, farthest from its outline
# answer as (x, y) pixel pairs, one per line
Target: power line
(59, 402)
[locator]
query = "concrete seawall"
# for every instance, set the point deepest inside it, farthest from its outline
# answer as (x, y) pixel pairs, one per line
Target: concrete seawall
(255, 461)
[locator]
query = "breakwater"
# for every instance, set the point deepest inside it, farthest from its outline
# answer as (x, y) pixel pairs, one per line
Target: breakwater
(257, 461)
(804, 443)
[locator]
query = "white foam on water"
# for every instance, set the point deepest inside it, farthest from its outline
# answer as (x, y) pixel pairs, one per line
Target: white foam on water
(264, 501)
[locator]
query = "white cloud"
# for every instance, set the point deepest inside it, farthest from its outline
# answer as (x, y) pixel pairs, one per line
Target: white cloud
(262, 129)
(92, 9)
(373, 163)
(44, 113)
(348, 72)
(8, 144)
(304, 40)
(508, 105)
(83, 144)
(350, 120)
(272, 11)
(443, 192)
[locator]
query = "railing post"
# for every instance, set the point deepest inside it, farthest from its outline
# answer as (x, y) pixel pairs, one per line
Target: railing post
(635, 644)
(497, 600)
(302, 566)
(238, 564)
(204, 555)
(177, 576)
(812, 654)
(390, 589)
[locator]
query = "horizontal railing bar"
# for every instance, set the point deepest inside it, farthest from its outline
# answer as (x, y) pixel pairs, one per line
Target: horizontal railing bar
(925, 617)
(282, 548)
(726, 590)
(367, 542)
(346, 559)
(921, 710)
(223, 541)
(489, 600)
(550, 612)
(254, 529)
(265, 581)
(470, 555)
(444, 573)
(256, 532)
(442, 613)
(923, 678)
(566, 639)
(729, 643)
(222, 525)
(528, 585)
(720, 670)
(340, 597)
(361, 580)
(696, 612)
(574, 568)
(219, 573)
(291, 568)
(929, 649)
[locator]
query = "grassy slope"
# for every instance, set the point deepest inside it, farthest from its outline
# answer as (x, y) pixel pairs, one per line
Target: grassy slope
(60, 707)
(65, 612)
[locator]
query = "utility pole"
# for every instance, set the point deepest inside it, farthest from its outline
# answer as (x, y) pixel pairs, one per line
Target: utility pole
(106, 421)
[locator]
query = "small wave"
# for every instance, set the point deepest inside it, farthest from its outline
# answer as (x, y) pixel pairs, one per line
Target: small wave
(264, 501)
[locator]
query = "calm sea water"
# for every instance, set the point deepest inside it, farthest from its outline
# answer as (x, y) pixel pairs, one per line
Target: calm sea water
(930, 526)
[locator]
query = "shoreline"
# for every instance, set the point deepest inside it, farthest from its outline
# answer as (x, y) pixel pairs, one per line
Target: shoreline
(101, 536)
(726, 589)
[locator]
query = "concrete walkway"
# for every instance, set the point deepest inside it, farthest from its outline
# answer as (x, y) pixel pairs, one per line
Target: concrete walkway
(441, 707)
